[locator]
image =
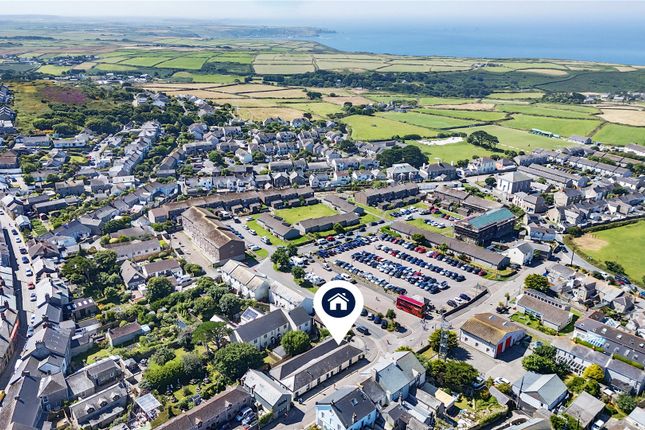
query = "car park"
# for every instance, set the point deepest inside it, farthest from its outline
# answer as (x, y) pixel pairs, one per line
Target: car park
(362, 329)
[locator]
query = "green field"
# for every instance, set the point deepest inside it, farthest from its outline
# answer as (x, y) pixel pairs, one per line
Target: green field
(54, 70)
(545, 110)
(206, 78)
(451, 152)
(561, 126)
(615, 134)
(520, 140)
(376, 128)
(425, 120)
(477, 115)
(515, 96)
(262, 232)
(190, 63)
(293, 216)
(623, 245)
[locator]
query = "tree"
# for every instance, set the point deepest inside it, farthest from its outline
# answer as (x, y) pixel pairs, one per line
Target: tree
(162, 355)
(564, 422)
(455, 375)
(230, 305)
(116, 224)
(543, 360)
(295, 342)
(390, 314)
(211, 331)
(483, 139)
(574, 231)
(158, 288)
(298, 272)
(78, 269)
(537, 282)
(490, 181)
(281, 259)
(626, 403)
(233, 360)
(435, 340)
(594, 372)
(193, 269)
(409, 154)
(418, 238)
(105, 261)
(612, 266)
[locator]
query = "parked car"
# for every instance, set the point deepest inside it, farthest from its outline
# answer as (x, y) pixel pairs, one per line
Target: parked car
(362, 329)
(244, 413)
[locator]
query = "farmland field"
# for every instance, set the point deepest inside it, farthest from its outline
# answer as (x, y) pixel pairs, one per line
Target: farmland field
(542, 110)
(191, 63)
(466, 114)
(516, 96)
(520, 140)
(616, 134)
(624, 116)
(144, 61)
(54, 70)
(293, 216)
(451, 152)
(262, 113)
(425, 120)
(561, 126)
(320, 108)
(376, 128)
(623, 245)
(207, 78)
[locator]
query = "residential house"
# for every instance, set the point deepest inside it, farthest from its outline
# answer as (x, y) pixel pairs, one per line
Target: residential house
(402, 172)
(125, 334)
(131, 275)
(137, 250)
(266, 331)
(540, 391)
(347, 408)
(245, 281)
(269, 394)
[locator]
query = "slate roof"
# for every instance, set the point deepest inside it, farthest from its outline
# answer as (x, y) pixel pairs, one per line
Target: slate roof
(548, 312)
(264, 387)
(347, 403)
(545, 388)
(261, 325)
(585, 408)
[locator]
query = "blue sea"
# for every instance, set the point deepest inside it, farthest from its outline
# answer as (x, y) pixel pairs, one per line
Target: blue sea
(614, 42)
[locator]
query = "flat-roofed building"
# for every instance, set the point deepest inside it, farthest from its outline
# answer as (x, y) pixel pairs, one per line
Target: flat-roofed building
(482, 229)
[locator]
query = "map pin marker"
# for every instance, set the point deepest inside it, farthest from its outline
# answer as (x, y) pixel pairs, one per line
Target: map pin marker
(338, 304)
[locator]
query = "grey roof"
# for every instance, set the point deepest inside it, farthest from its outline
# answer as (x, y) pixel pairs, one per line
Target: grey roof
(545, 388)
(263, 386)
(299, 316)
(349, 404)
(313, 364)
(148, 403)
(585, 408)
(261, 325)
(547, 311)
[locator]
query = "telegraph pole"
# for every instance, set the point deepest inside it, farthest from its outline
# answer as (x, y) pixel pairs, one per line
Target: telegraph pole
(443, 342)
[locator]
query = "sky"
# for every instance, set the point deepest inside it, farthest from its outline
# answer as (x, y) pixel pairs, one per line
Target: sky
(320, 13)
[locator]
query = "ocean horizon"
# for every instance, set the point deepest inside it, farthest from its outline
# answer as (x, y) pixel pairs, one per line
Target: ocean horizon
(616, 43)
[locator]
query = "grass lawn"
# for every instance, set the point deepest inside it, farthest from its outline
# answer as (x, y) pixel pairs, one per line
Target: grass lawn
(295, 215)
(261, 231)
(521, 140)
(531, 322)
(377, 213)
(426, 120)
(615, 134)
(451, 152)
(375, 128)
(561, 126)
(448, 231)
(261, 254)
(623, 245)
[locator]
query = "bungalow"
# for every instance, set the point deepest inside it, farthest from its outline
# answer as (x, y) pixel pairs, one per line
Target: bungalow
(309, 369)
(137, 250)
(279, 228)
(551, 312)
(127, 333)
(163, 268)
(540, 391)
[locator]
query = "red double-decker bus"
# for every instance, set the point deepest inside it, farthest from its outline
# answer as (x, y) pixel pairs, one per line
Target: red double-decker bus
(412, 306)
